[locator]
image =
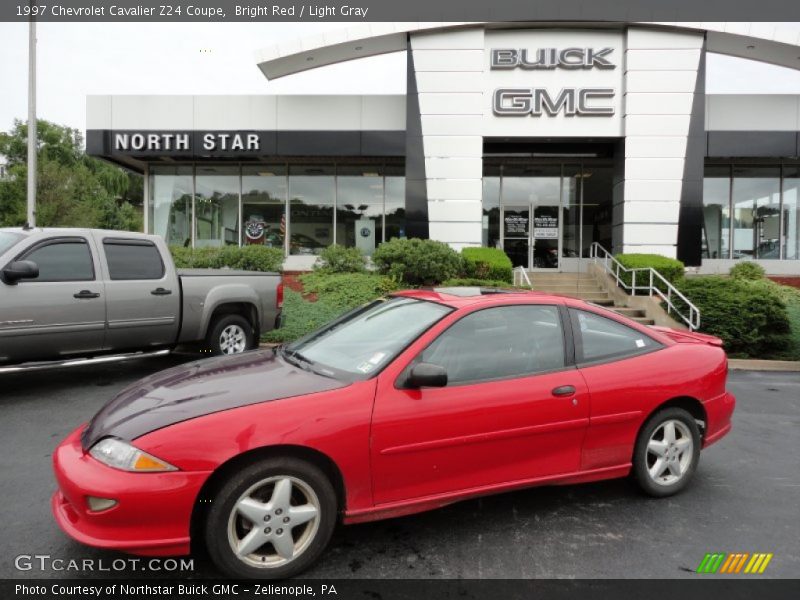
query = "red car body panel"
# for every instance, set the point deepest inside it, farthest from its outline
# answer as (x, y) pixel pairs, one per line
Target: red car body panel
(401, 451)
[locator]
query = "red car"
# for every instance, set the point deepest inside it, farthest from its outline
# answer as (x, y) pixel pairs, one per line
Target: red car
(406, 404)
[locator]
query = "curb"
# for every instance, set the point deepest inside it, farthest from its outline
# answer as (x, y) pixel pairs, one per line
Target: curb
(746, 364)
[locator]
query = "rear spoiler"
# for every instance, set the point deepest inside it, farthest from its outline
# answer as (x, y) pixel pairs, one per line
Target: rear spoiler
(688, 337)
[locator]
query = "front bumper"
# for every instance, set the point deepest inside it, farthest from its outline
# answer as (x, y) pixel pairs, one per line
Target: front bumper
(153, 511)
(719, 411)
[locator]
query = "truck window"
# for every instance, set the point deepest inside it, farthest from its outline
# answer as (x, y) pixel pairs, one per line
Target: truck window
(62, 260)
(133, 259)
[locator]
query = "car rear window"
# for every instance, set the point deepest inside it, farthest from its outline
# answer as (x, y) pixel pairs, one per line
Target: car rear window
(133, 259)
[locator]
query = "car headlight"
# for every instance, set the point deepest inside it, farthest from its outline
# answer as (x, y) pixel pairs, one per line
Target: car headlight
(119, 454)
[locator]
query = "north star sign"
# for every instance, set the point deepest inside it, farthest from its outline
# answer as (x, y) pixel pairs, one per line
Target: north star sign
(155, 141)
(571, 101)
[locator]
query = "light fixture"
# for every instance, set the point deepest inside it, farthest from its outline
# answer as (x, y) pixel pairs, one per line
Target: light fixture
(309, 58)
(370, 174)
(266, 174)
(751, 47)
(359, 47)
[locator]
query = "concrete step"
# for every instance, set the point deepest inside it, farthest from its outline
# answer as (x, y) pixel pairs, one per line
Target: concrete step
(643, 320)
(568, 289)
(629, 312)
(560, 277)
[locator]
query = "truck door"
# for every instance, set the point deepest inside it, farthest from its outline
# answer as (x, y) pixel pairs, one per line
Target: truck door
(142, 295)
(60, 313)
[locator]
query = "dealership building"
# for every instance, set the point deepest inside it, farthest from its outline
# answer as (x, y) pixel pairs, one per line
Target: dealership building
(541, 139)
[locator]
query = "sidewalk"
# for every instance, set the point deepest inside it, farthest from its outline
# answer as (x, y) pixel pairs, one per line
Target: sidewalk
(747, 364)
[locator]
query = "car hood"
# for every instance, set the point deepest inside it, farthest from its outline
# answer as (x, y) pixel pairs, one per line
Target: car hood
(201, 388)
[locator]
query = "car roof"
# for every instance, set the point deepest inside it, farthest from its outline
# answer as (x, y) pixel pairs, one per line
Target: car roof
(459, 297)
(70, 231)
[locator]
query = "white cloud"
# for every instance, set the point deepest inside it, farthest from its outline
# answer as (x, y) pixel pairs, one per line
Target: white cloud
(218, 58)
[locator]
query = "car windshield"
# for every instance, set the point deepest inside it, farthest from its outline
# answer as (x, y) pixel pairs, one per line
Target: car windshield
(8, 239)
(363, 341)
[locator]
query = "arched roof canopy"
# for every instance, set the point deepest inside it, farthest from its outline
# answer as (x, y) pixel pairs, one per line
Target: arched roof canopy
(756, 41)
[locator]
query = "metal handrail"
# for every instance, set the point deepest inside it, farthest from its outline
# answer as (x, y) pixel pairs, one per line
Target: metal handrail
(521, 278)
(613, 267)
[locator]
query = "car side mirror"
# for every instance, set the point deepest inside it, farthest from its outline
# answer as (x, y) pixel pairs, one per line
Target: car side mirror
(426, 375)
(20, 269)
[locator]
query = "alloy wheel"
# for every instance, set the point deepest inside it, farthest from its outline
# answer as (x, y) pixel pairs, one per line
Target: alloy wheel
(274, 522)
(670, 451)
(232, 340)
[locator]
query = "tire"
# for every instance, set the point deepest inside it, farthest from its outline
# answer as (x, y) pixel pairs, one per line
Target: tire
(230, 334)
(678, 452)
(262, 486)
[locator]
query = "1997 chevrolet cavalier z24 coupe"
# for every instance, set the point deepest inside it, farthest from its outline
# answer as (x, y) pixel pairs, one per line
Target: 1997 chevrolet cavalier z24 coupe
(406, 404)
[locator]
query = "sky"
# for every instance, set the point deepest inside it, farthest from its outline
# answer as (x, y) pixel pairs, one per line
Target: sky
(78, 59)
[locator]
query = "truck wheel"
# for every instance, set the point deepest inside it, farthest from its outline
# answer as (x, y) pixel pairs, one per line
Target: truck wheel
(271, 520)
(230, 334)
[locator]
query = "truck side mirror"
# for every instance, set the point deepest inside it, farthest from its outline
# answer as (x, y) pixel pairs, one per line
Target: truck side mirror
(20, 269)
(426, 375)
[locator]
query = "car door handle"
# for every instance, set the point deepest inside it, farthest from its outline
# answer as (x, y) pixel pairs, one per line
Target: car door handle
(564, 390)
(85, 294)
(161, 292)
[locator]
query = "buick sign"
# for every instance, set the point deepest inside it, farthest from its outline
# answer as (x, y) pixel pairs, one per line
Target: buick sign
(537, 101)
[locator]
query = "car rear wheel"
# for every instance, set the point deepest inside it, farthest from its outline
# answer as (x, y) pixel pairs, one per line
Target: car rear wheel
(230, 334)
(271, 520)
(666, 453)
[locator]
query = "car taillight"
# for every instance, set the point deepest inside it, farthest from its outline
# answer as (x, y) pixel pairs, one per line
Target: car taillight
(279, 296)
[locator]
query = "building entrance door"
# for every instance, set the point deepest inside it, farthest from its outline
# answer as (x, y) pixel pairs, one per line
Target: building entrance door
(532, 242)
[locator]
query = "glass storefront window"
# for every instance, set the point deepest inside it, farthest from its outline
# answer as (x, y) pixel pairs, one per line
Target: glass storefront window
(395, 203)
(359, 207)
(597, 195)
(216, 206)
(791, 212)
(264, 192)
(756, 214)
(571, 202)
(312, 191)
(716, 212)
(490, 227)
(170, 210)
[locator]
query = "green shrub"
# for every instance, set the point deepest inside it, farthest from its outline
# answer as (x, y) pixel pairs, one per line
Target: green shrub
(749, 316)
(747, 270)
(346, 290)
(487, 263)
(470, 282)
(417, 262)
(248, 258)
(336, 293)
(669, 268)
(338, 259)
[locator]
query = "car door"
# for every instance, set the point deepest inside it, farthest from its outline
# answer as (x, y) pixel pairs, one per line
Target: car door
(60, 313)
(143, 295)
(515, 408)
(622, 368)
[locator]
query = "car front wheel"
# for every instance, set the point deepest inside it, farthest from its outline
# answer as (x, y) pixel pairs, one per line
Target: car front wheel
(272, 520)
(666, 453)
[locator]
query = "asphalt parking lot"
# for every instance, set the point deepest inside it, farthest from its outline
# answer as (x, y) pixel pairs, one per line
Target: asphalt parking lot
(745, 498)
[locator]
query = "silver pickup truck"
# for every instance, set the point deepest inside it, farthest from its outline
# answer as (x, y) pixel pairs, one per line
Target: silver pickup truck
(69, 293)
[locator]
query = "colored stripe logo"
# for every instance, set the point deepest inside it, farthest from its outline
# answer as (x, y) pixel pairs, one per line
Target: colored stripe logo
(735, 563)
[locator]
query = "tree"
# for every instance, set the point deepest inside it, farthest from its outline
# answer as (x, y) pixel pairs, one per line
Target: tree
(73, 189)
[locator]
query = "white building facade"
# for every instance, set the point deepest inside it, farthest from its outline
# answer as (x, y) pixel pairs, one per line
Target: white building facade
(540, 139)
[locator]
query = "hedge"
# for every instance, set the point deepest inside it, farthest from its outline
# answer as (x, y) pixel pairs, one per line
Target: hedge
(749, 316)
(336, 294)
(487, 263)
(747, 270)
(417, 262)
(339, 259)
(248, 258)
(672, 270)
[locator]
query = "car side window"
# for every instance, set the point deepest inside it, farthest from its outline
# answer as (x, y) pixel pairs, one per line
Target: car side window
(133, 259)
(599, 338)
(499, 343)
(64, 260)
